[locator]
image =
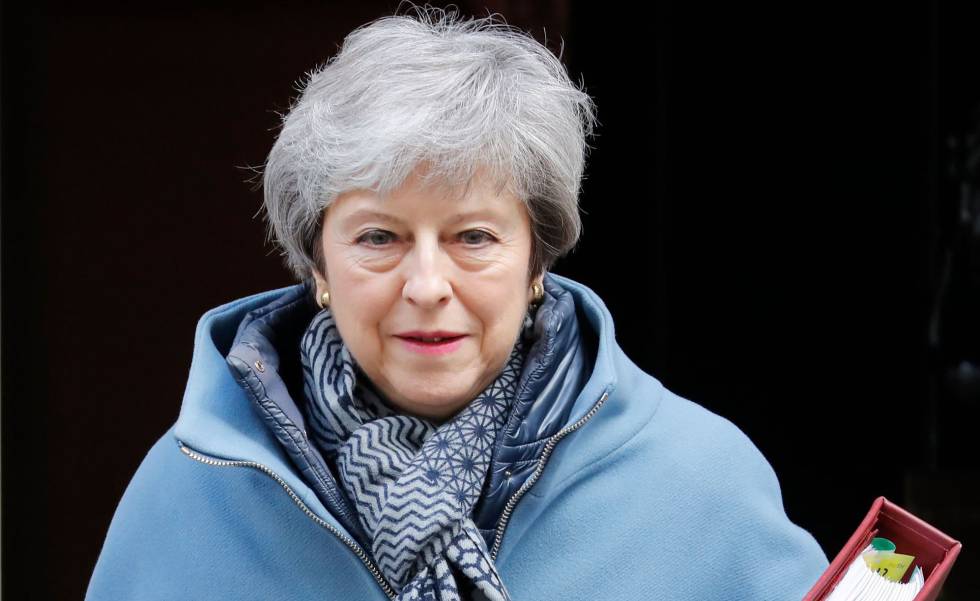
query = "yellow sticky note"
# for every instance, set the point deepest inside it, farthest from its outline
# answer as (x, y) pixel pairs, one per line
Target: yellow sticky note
(888, 564)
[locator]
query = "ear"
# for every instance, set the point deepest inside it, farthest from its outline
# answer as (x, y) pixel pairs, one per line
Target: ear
(321, 283)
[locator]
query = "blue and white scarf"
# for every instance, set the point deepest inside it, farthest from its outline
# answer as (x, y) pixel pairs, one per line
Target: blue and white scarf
(413, 483)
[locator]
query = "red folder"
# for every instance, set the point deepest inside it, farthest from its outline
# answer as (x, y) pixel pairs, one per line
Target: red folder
(934, 551)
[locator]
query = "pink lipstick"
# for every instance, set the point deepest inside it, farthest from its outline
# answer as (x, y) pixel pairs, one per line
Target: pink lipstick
(438, 342)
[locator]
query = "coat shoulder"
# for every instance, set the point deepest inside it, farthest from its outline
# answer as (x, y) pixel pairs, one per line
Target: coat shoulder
(706, 443)
(166, 523)
(732, 503)
(687, 501)
(187, 528)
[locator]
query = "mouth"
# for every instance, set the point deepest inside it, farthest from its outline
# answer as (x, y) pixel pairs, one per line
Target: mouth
(431, 339)
(435, 345)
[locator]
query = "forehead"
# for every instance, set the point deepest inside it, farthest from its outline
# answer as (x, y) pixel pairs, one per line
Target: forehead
(480, 199)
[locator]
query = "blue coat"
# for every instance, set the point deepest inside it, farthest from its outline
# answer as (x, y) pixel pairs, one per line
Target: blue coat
(609, 487)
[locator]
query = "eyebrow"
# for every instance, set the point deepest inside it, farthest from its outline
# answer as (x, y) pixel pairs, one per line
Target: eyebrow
(366, 214)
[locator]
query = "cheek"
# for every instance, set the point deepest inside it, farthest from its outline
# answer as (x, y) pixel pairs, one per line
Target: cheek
(358, 323)
(360, 303)
(350, 281)
(500, 304)
(364, 308)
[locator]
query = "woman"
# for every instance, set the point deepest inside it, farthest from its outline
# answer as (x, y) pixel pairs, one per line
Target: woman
(430, 413)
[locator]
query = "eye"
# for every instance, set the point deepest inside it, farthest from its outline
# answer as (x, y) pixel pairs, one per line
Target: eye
(375, 237)
(476, 237)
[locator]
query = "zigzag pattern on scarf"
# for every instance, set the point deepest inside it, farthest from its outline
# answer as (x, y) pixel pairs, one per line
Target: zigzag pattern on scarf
(414, 484)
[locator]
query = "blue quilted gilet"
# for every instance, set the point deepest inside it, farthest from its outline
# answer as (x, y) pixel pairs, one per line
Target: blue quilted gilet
(557, 366)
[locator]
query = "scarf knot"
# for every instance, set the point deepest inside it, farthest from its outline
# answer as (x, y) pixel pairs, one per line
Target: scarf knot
(413, 483)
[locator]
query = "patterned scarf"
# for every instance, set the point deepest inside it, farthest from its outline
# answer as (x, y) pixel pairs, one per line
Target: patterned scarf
(413, 483)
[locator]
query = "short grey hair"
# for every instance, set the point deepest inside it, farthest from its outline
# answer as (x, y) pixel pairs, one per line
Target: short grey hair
(456, 95)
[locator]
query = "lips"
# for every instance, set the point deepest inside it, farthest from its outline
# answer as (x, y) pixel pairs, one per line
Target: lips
(430, 337)
(433, 340)
(427, 343)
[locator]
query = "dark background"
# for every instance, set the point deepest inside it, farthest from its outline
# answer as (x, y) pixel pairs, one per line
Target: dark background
(767, 208)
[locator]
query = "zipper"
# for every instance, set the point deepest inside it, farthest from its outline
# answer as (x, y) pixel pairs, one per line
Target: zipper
(336, 504)
(358, 550)
(545, 455)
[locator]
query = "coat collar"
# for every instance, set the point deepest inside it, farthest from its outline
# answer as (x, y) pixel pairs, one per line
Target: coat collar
(217, 419)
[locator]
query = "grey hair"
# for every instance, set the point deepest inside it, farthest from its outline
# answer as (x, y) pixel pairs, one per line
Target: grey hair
(455, 95)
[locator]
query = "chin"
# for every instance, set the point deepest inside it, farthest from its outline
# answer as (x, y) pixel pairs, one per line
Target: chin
(438, 407)
(446, 403)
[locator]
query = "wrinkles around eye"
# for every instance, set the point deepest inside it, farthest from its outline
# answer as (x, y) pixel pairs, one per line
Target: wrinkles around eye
(382, 239)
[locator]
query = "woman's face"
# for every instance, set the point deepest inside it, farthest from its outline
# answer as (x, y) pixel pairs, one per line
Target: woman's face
(425, 262)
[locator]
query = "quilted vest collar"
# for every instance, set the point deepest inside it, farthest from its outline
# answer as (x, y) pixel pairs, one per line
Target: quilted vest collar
(264, 329)
(558, 363)
(557, 366)
(555, 371)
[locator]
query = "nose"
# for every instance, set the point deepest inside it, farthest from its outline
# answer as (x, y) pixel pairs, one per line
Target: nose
(427, 282)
